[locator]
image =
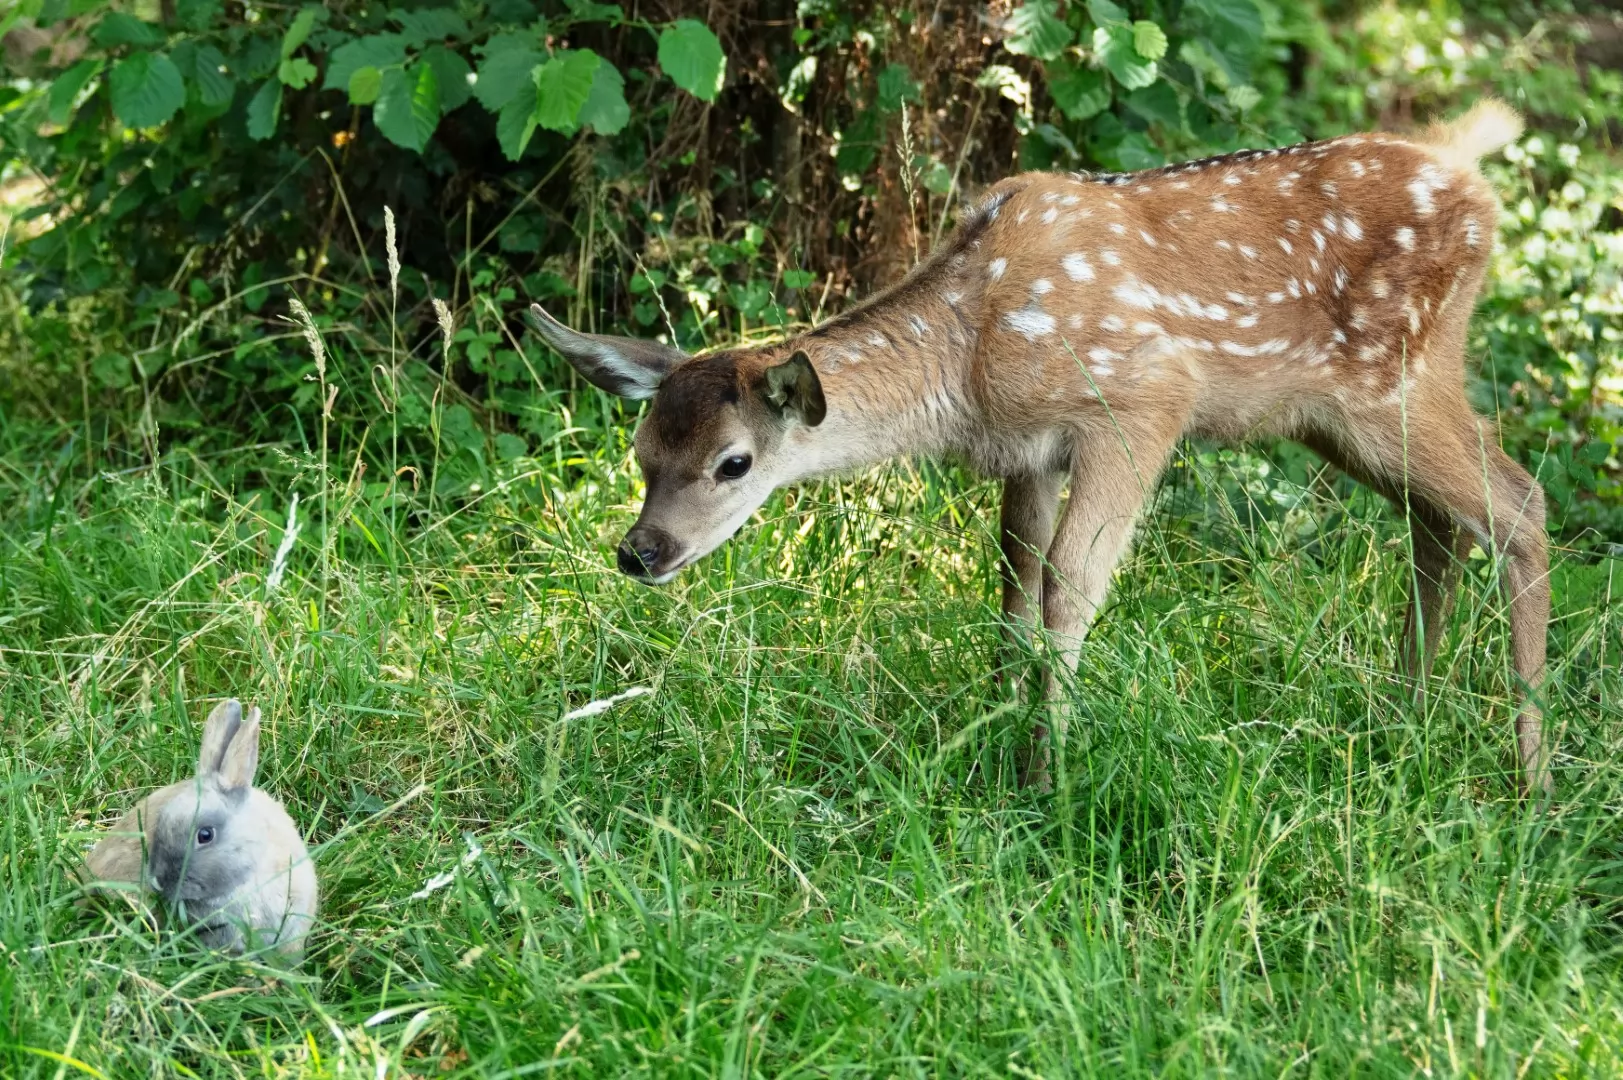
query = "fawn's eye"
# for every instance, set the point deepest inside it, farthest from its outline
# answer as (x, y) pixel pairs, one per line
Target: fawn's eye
(734, 467)
(205, 835)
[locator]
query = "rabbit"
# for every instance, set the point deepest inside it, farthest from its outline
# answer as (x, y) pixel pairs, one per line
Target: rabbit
(222, 854)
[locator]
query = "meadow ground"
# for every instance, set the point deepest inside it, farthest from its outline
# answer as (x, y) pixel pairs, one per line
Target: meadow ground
(803, 853)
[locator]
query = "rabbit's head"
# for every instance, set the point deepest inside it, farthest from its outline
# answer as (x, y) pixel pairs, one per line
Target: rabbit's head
(205, 842)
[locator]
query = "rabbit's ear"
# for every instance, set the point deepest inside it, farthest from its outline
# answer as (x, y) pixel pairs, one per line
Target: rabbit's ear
(241, 756)
(218, 731)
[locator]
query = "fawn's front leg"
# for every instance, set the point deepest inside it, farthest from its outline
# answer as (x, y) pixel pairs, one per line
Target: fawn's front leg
(1113, 473)
(1030, 503)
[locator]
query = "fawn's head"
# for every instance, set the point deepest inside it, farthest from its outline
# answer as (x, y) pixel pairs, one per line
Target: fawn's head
(712, 447)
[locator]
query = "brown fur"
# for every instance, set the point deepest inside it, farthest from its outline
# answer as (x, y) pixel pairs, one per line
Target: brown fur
(1074, 328)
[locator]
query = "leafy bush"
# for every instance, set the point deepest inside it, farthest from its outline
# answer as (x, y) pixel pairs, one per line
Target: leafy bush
(201, 166)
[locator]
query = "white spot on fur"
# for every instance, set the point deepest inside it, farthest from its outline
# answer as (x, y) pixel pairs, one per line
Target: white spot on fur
(1041, 287)
(1276, 298)
(1240, 298)
(1329, 188)
(1020, 218)
(1405, 238)
(1050, 215)
(1285, 244)
(1248, 251)
(1356, 168)
(1146, 237)
(920, 327)
(996, 268)
(1077, 267)
(1350, 228)
(1221, 205)
(1292, 225)
(1136, 293)
(1318, 240)
(1404, 387)
(1378, 288)
(1109, 257)
(1473, 232)
(1118, 228)
(1246, 322)
(1424, 188)
(1368, 353)
(1340, 279)
(1113, 324)
(1329, 224)
(1267, 348)
(1074, 322)
(1341, 338)
(1030, 322)
(1225, 245)
(1148, 328)
(1069, 200)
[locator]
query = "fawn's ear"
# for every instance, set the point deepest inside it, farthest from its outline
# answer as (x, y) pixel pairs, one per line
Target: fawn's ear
(795, 390)
(629, 367)
(218, 731)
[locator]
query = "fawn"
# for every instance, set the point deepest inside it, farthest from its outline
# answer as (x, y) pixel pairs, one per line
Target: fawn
(1074, 327)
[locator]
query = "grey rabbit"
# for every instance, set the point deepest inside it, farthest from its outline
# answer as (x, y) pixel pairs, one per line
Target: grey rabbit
(222, 854)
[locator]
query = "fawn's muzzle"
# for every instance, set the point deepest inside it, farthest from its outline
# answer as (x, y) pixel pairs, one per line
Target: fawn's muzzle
(647, 554)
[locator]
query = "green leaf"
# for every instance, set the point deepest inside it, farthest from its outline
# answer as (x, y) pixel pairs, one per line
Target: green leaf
(208, 74)
(505, 75)
(516, 123)
(1159, 104)
(376, 51)
(1231, 20)
(1232, 31)
(691, 55)
(1106, 13)
(65, 89)
(408, 106)
(365, 85)
(1037, 30)
(606, 111)
(1114, 44)
(562, 86)
(300, 29)
(117, 28)
(798, 279)
(1081, 93)
(510, 447)
(296, 72)
(1130, 152)
(264, 110)
(197, 14)
(1243, 97)
(1148, 40)
(896, 85)
(430, 24)
(590, 11)
(452, 72)
(146, 89)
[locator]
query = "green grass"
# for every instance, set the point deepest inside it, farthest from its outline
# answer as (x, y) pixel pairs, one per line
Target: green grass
(804, 854)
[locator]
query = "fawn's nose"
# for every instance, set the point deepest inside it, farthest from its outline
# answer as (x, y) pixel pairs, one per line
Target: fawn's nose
(644, 552)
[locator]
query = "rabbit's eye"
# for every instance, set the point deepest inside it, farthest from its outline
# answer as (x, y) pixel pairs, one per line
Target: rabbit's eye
(205, 835)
